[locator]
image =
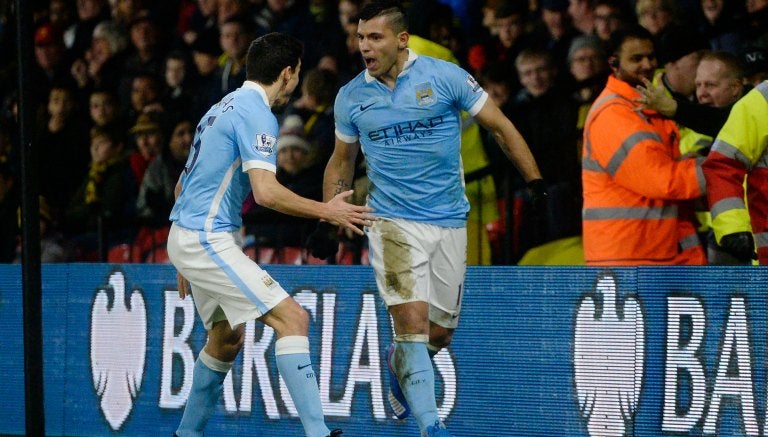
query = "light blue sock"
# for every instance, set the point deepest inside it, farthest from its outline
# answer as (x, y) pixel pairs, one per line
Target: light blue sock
(207, 380)
(292, 356)
(417, 380)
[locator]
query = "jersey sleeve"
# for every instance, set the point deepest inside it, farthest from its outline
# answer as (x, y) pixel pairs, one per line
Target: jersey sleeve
(468, 93)
(257, 141)
(345, 129)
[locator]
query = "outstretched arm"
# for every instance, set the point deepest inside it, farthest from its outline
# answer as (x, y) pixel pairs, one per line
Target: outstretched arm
(270, 193)
(509, 139)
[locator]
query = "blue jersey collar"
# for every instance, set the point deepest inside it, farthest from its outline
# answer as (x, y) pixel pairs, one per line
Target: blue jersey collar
(255, 86)
(411, 58)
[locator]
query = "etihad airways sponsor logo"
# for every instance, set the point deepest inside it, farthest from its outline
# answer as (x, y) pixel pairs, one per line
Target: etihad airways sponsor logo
(406, 131)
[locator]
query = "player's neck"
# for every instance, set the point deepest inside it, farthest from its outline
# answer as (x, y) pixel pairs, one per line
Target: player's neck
(390, 77)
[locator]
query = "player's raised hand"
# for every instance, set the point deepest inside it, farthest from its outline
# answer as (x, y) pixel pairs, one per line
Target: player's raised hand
(349, 215)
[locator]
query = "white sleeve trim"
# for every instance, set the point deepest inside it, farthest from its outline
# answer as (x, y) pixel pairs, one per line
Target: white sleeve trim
(349, 139)
(478, 104)
(255, 163)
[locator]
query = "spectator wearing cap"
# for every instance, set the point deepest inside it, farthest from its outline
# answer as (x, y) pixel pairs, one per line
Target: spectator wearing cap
(297, 171)
(588, 66)
(679, 51)
(206, 51)
(51, 62)
(754, 61)
(148, 136)
(102, 211)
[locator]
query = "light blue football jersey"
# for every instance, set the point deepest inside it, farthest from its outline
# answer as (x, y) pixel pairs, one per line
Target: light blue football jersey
(411, 138)
(237, 134)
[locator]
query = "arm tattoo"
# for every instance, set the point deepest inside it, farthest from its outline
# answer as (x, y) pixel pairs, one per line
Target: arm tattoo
(341, 186)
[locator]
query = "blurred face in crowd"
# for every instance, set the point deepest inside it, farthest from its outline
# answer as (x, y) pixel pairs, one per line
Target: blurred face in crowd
(49, 56)
(59, 13)
(508, 29)
(102, 108)
(89, 9)
(498, 92)
(607, 21)
(103, 149)
(207, 7)
(228, 9)
(756, 5)
(143, 92)
(175, 70)
(59, 102)
(181, 140)
(292, 159)
(586, 63)
(685, 82)
(149, 143)
(653, 16)
(555, 21)
(715, 85)
(205, 63)
(144, 35)
(536, 75)
(712, 9)
(636, 61)
(347, 11)
(233, 40)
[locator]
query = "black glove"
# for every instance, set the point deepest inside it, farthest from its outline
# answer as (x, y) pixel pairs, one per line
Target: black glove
(537, 193)
(741, 245)
(323, 243)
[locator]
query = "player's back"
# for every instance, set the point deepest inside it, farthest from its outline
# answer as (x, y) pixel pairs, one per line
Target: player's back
(240, 128)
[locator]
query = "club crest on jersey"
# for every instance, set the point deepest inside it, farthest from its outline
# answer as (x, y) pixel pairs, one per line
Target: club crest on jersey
(424, 94)
(473, 83)
(265, 144)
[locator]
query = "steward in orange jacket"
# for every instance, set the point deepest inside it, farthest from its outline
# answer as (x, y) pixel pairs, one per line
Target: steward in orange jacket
(634, 178)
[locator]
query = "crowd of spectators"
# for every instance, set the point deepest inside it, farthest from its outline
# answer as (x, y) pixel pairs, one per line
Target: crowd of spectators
(118, 87)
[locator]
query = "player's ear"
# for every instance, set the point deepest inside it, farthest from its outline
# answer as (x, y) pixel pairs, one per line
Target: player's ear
(402, 40)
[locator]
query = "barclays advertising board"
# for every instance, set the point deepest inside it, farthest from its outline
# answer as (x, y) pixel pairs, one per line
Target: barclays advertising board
(539, 352)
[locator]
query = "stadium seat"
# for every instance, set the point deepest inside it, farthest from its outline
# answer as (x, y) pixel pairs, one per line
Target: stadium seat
(291, 255)
(120, 254)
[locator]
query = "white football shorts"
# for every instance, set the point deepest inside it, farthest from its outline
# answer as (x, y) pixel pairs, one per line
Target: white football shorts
(225, 283)
(416, 261)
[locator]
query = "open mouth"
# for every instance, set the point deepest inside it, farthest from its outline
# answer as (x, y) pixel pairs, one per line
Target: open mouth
(370, 63)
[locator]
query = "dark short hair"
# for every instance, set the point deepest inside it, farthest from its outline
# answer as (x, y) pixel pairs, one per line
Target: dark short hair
(268, 55)
(392, 9)
(619, 37)
(322, 84)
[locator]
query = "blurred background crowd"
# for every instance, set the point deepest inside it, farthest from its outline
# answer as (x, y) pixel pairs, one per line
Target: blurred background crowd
(119, 86)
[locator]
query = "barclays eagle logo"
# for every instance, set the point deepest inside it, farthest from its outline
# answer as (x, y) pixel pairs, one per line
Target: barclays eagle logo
(118, 348)
(608, 359)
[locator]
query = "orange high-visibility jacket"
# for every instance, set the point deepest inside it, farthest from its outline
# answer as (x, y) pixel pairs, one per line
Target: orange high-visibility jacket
(634, 184)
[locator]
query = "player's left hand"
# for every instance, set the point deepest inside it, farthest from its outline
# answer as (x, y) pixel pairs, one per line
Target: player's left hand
(183, 286)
